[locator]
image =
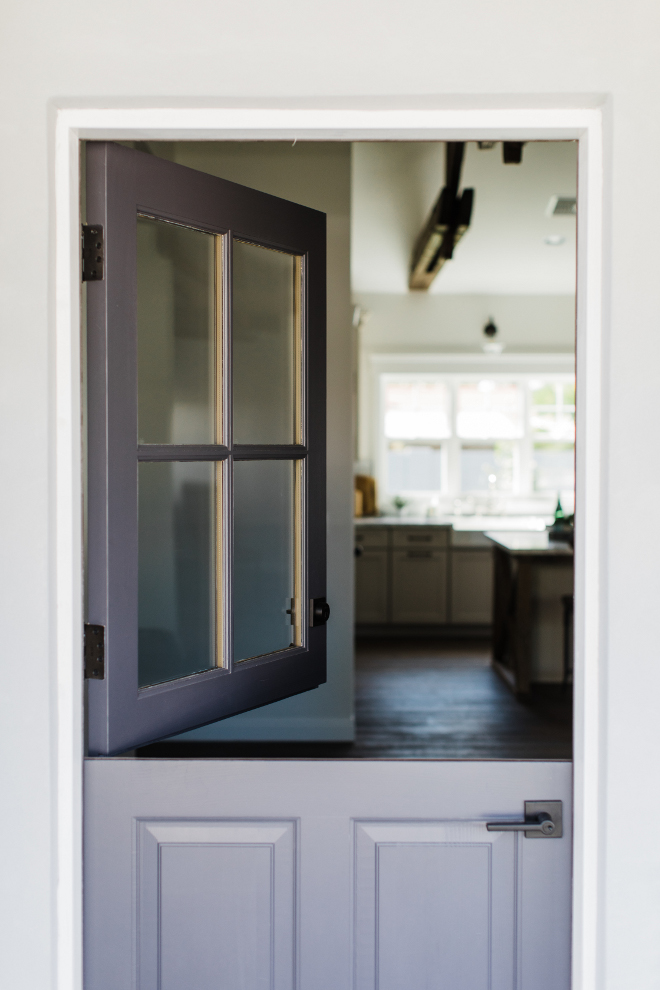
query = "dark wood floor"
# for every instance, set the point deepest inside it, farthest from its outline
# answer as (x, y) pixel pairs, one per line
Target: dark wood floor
(445, 701)
(425, 699)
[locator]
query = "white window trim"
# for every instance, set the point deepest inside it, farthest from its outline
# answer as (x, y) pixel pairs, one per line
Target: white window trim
(475, 369)
(365, 120)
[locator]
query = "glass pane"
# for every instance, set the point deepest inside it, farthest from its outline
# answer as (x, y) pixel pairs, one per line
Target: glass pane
(176, 333)
(553, 410)
(569, 394)
(176, 570)
(543, 393)
(487, 467)
(556, 424)
(416, 410)
(264, 556)
(489, 410)
(265, 310)
(413, 467)
(554, 468)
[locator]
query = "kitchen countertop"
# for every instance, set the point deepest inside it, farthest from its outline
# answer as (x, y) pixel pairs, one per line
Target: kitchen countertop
(528, 544)
(402, 521)
(515, 524)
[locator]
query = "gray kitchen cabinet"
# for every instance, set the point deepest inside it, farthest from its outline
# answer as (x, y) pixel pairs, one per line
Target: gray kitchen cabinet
(419, 537)
(371, 584)
(422, 575)
(419, 586)
(370, 537)
(471, 586)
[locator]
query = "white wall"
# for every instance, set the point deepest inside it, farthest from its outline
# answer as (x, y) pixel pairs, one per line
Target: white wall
(419, 321)
(441, 54)
(315, 175)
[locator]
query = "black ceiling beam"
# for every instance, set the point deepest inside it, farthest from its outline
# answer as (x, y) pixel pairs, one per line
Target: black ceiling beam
(449, 220)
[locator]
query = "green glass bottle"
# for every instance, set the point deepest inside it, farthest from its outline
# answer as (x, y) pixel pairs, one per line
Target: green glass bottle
(559, 512)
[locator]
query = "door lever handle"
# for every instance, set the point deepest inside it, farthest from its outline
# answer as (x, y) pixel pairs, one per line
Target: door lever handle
(543, 820)
(543, 823)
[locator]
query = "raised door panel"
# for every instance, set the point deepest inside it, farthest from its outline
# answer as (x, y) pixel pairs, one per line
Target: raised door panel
(435, 906)
(419, 586)
(215, 905)
(371, 581)
(472, 586)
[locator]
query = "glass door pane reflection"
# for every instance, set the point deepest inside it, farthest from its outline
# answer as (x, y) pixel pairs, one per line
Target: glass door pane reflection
(264, 556)
(176, 333)
(265, 344)
(176, 570)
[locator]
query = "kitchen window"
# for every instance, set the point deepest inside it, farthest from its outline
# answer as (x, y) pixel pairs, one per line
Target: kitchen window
(471, 435)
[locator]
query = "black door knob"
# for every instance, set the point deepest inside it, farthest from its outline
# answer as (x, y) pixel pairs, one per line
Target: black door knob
(320, 611)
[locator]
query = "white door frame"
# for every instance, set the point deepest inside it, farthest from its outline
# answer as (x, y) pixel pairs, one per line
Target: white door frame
(584, 124)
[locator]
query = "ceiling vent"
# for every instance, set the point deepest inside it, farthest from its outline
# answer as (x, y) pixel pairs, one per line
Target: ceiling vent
(562, 206)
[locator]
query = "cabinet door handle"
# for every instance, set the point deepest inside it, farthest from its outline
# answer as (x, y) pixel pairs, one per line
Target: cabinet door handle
(420, 553)
(419, 539)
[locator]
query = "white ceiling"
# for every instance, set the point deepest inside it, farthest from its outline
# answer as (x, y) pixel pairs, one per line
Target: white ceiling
(503, 252)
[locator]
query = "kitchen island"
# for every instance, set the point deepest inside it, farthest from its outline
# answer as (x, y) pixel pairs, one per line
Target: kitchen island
(532, 575)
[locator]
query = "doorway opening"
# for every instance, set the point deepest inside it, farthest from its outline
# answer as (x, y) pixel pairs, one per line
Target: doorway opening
(463, 401)
(584, 125)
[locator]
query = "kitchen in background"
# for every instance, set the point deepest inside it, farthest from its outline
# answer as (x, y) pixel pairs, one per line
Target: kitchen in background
(463, 271)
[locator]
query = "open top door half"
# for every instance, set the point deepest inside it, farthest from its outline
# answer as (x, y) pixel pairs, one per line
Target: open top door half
(206, 447)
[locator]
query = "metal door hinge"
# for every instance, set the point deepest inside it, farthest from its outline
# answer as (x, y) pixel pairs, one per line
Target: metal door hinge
(319, 611)
(92, 252)
(94, 651)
